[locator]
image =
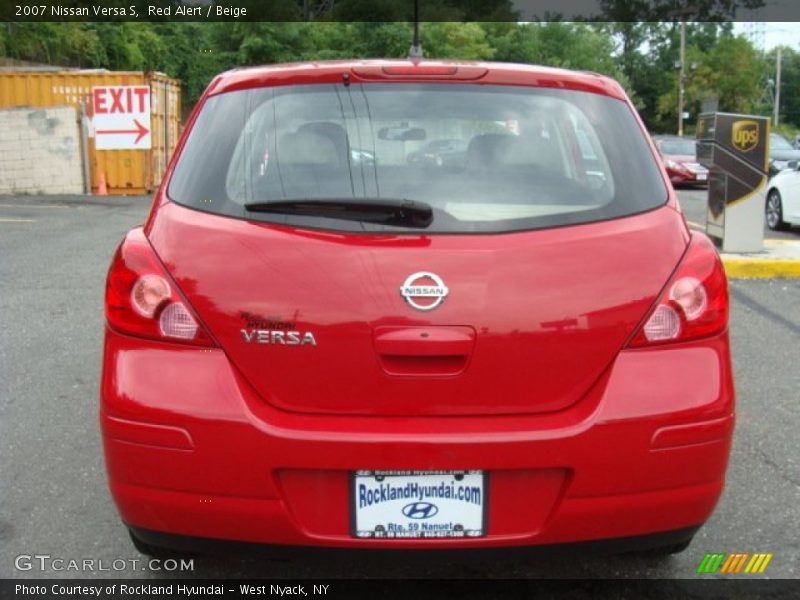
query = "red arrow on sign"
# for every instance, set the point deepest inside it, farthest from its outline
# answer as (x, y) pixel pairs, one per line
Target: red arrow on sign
(140, 129)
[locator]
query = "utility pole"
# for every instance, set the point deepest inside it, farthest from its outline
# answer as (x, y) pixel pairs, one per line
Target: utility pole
(681, 77)
(416, 46)
(777, 107)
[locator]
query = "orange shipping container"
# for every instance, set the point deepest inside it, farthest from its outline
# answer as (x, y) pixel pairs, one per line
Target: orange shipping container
(126, 171)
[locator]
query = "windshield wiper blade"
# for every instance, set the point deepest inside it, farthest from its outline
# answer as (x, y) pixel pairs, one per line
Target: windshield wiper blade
(399, 212)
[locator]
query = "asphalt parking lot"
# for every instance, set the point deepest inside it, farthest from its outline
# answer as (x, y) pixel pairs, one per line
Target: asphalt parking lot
(53, 498)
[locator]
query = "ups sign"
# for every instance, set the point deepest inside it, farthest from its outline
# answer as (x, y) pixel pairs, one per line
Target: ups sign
(735, 143)
(744, 135)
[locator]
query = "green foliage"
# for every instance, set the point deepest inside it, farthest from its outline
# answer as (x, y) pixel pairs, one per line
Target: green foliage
(790, 83)
(639, 53)
(566, 45)
(53, 43)
(456, 40)
(735, 72)
(729, 73)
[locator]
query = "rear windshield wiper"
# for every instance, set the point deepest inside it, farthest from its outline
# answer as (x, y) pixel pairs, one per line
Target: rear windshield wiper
(385, 211)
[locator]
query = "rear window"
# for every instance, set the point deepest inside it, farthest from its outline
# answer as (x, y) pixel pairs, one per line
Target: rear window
(679, 147)
(485, 158)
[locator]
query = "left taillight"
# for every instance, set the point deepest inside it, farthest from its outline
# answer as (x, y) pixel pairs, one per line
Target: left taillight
(143, 301)
(695, 302)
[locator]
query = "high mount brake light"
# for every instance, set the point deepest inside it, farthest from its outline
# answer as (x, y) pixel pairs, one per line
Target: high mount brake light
(141, 299)
(694, 304)
(420, 71)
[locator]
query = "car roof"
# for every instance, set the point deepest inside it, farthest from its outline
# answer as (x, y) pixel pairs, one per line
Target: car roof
(673, 138)
(402, 70)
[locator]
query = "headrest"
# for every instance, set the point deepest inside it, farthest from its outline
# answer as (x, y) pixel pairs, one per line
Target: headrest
(332, 131)
(497, 149)
(486, 149)
(305, 149)
(531, 150)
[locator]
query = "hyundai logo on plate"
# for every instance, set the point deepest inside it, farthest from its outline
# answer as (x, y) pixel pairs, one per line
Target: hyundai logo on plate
(420, 510)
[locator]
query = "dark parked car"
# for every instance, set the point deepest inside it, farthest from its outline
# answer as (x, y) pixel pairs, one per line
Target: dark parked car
(781, 154)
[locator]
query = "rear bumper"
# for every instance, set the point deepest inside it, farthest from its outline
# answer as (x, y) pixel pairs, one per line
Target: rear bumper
(212, 547)
(192, 450)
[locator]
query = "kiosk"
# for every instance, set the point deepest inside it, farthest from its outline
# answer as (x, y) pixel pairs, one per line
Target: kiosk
(735, 150)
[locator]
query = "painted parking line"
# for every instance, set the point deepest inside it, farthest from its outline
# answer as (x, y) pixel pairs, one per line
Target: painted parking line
(3, 220)
(767, 241)
(62, 206)
(774, 242)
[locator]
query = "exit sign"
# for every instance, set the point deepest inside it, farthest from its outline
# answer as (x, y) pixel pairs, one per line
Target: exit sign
(121, 117)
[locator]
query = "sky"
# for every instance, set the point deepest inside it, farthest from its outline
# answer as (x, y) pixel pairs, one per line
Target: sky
(784, 33)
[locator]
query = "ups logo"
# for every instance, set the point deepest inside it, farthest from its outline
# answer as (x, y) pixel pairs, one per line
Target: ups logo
(744, 135)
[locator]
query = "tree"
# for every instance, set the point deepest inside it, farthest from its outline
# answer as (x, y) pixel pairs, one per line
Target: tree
(736, 76)
(456, 40)
(790, 83)
(567, 45)
(730, 72)
(641, 55)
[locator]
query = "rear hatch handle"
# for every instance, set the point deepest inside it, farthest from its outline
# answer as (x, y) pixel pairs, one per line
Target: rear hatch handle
(424, 351)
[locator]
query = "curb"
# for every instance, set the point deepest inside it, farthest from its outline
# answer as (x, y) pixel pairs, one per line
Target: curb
(760, 268)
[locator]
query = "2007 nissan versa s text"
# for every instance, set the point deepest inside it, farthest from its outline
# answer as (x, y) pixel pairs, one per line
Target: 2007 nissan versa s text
(315, 341)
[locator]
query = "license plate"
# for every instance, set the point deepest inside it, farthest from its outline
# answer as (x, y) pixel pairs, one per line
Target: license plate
(702, 176)
(418, 504)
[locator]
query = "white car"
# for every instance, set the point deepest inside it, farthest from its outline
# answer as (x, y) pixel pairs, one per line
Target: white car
(783, 200)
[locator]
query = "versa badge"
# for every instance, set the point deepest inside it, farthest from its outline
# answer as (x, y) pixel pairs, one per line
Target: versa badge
(279, 338)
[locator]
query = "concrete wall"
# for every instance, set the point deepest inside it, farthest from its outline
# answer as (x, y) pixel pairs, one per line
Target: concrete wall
(40, 151)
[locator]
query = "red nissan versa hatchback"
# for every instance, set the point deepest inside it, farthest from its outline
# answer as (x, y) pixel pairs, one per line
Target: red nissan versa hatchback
(525, 346)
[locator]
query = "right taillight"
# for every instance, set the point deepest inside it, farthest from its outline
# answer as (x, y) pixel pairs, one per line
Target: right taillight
(142, 300)
(695, 302)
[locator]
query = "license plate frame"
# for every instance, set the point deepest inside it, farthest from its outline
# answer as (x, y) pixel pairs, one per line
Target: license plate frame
(392, 516)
